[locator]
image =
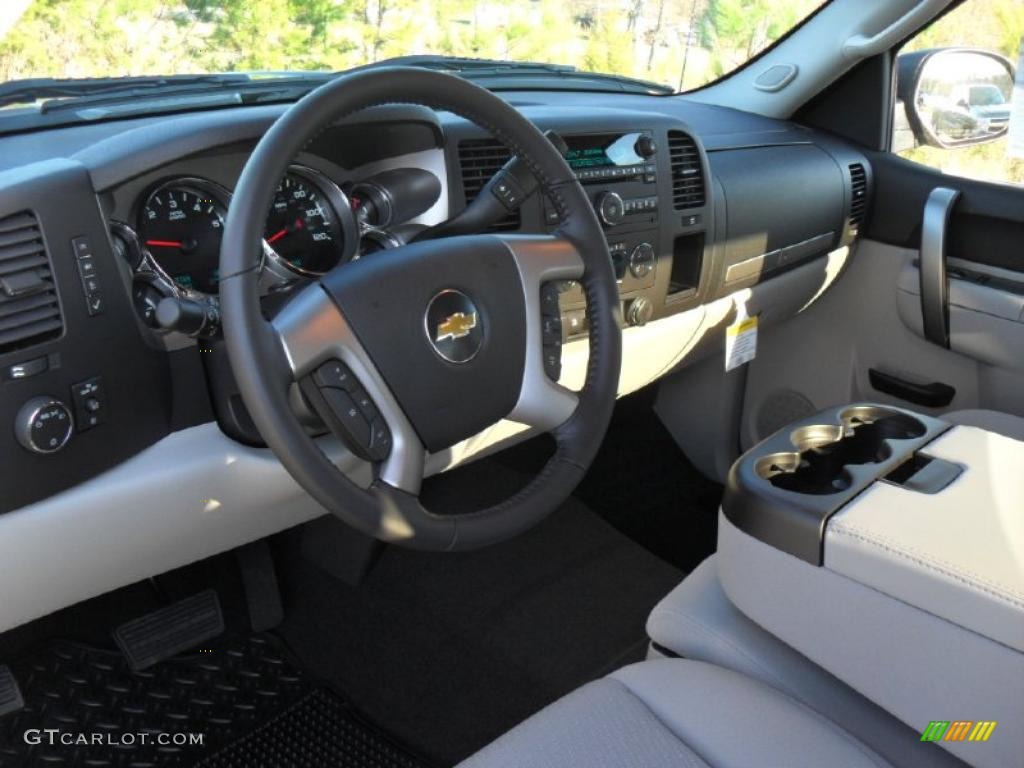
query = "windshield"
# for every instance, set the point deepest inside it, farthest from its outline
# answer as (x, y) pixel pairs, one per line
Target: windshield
(681, 44)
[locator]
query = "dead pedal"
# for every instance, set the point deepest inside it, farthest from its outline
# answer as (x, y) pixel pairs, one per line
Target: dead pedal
(10, 694)
(165, 633)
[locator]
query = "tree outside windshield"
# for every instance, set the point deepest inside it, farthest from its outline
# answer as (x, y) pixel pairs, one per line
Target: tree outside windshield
(680, 43)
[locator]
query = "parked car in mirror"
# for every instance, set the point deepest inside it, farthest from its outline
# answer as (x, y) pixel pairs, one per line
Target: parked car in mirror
(955, 97)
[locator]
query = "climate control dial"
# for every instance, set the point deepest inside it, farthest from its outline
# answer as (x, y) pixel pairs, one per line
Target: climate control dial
(43, 425)
(641, 260)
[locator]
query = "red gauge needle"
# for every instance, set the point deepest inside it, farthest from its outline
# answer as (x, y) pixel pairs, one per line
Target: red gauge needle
(165, 243)
(277, 236)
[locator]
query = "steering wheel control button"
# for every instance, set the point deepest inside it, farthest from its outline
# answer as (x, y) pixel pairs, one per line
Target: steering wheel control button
(508, 191)
(380, 440)
(551, 328)
(348, 410)
(90, 403)
(365, 403)
(43, 425)
(553, 362)
(335, 373)
(549, 300)
(348, 415)
(454, 326)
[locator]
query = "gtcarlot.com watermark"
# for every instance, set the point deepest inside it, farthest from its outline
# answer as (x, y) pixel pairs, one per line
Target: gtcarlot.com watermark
(53, 737)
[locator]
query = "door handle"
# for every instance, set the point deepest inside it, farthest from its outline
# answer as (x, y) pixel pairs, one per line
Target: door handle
(934, 280)
(932, 395)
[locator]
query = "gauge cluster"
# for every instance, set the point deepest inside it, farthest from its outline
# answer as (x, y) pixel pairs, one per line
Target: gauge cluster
(181, 224)
(172, 243)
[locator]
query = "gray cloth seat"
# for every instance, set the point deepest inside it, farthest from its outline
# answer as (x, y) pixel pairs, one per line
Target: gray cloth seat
(698, 621)
(994, 421)
(675, 712)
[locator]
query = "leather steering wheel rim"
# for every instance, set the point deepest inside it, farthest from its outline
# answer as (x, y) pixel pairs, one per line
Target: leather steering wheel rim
(264, 364)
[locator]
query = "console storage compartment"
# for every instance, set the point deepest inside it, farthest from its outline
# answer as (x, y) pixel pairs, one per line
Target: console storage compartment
(784, 490)
(888, 547)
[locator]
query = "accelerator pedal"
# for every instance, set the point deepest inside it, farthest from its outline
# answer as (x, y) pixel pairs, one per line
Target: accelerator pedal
(165, 633)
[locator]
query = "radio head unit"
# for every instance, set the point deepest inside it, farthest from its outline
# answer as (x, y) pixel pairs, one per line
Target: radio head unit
(604, 156)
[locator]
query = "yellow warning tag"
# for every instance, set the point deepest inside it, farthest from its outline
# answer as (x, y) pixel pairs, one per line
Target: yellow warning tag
(740, 342)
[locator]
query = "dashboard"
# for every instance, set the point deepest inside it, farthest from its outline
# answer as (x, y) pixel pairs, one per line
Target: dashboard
(108, 339)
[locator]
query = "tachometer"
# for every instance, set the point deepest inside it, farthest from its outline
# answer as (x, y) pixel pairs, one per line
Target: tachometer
(181, 224)
(310, 227)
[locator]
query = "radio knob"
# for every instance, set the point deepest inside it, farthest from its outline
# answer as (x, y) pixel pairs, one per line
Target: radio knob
(640, 311)
(43, 425)
(641, 261)
(646, 146)
(610, 208)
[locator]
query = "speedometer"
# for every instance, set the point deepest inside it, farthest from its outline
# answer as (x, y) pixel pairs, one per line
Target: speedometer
(181, 224)
(310, 227)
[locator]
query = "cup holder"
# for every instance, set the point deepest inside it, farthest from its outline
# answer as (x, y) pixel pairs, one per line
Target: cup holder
(891, 425)
(824, 453)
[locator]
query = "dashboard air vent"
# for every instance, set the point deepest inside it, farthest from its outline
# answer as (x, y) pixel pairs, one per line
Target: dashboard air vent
(687, 171)
(29, 311)
(858, 195)
(479, 160)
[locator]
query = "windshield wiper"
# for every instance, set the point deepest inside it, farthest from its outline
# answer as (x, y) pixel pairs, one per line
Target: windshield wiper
(57, 92)
(522, 72)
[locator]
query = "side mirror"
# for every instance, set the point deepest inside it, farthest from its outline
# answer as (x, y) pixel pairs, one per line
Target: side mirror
(955, 97)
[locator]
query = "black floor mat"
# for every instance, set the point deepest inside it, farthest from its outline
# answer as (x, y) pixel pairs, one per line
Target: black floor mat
(449, 651)
(642, 483)
(252, 707)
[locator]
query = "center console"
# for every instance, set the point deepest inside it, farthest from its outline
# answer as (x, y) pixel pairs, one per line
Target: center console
(619, 172)
(888, 547)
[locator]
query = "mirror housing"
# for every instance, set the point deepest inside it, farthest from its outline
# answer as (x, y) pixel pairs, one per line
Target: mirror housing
(953, 97)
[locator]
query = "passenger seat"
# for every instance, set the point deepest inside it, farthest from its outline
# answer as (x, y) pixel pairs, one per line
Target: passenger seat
(993, 421)
(697, 621)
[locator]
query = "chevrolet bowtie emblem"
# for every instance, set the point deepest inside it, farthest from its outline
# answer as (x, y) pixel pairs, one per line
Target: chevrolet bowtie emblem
(456, 326)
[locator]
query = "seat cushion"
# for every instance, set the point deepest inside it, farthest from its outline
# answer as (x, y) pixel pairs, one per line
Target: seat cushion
(675, 712)
(696, 620)
(994, 421)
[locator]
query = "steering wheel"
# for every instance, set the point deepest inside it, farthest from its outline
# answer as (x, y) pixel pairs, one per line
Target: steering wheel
(420, 347)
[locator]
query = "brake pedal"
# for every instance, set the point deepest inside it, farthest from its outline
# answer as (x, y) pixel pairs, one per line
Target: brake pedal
(10, 694)
(169, 631)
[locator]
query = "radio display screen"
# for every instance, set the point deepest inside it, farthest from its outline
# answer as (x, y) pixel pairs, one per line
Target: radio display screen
(602, 150)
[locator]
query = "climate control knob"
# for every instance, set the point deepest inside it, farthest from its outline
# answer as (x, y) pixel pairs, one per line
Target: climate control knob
(641, 260)
(43, 425)
(640, 311)
(610, 208)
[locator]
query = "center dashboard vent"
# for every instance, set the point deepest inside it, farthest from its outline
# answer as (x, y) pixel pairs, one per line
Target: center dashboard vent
(479, 160)
(29, 310)
(687, 171)
(858, 195)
